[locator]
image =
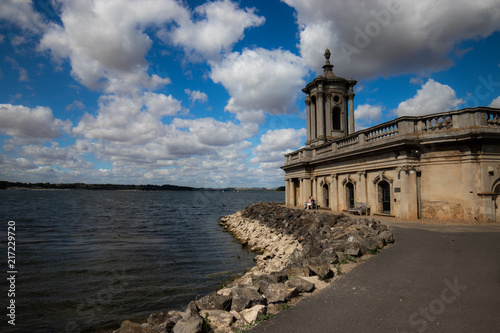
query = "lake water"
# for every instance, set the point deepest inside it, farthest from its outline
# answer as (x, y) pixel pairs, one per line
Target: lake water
(91, 259)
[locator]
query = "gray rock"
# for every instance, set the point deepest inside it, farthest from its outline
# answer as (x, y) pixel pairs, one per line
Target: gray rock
(214, 301)
(296, 269)
(252, 314)
(319, 267)
(279, 293)
(163, 322)
(245, 297)
(130, 327)
(218, 319)
(330, 255)
(191, 321)
(385, 237)
(301, 285)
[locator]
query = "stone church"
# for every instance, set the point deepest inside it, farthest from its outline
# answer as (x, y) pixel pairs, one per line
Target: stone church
(439, 166)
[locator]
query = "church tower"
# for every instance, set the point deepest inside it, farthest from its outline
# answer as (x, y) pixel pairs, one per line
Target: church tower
(330, 106)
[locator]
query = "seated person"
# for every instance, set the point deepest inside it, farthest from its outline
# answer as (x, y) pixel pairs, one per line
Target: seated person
(309, 204)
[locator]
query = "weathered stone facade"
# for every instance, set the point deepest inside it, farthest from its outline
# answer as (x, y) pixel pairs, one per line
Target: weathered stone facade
(440, 166)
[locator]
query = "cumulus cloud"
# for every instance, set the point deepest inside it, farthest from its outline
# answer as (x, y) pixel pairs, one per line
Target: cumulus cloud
(76, 105)
(106, 43)
(260, 80)
(211, 132)
(366, 115)
(161, 105)
(128, 118)
(432, 97)
(23, 15)
(495, 103)
(274, 144)
(385, 37)
(38, 122)
(196, 95)
(215, 28)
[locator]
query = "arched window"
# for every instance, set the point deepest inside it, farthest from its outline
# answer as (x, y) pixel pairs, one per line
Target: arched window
(336, 119)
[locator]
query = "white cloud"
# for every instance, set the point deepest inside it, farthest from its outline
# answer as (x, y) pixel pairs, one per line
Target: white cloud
(196, 95)
(431, 98)
(65, 157)
(161, 105)
(367, 114)
(495, 103)
(219, 26)
(417, 80)
(260, 80)
(124, 119)
(370, 38)
(76, 105)
(38, 122)
(106, 43)
(274, 144)
(23, 15)
(211, 132)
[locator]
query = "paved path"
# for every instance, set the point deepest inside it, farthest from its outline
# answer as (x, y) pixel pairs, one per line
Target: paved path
(434, 278)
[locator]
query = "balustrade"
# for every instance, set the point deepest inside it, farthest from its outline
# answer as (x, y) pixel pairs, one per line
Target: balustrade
(493, 118)
(403, 126)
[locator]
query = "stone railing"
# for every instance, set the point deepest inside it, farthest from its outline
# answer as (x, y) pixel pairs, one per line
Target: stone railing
(444, 123)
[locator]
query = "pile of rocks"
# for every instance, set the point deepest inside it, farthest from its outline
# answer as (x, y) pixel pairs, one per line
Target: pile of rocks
(298, 251)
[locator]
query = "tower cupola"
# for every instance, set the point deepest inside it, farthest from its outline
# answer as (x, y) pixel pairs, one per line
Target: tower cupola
(329, 106)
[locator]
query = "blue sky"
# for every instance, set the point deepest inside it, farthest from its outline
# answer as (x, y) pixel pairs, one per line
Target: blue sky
(208, 93)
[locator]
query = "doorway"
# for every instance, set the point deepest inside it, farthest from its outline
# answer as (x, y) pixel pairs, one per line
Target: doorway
(349, 195)
(497, 202)
(326, 195)
(384, 193)
(296, 195)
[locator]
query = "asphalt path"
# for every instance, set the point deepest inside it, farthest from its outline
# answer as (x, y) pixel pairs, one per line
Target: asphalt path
(434, 278)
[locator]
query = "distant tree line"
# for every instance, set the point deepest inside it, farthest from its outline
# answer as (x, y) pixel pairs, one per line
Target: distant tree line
(81, 186)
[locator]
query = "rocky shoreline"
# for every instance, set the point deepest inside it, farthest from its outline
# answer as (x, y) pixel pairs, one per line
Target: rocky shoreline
(299, 251)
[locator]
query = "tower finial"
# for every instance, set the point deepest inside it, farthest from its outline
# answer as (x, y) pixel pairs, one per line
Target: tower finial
(328, 73)
(327, 55)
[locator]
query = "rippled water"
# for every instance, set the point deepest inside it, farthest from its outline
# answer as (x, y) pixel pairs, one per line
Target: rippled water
(91, 259)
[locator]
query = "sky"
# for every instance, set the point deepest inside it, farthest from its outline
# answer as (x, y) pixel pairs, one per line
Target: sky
(209, 93)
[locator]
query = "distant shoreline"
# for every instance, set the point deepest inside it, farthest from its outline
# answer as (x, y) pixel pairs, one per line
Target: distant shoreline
(4, 185)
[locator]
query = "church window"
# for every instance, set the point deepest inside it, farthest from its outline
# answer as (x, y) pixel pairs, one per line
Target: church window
(336, 119)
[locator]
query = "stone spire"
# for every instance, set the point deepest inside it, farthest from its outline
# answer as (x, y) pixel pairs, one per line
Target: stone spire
(328, 72)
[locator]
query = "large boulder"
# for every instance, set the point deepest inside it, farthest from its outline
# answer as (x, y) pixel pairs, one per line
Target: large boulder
(279, 293)
(252, 314)
(245, 297)
(130, 327)
(214, 301)
(301, 285)
(329, 255)
(218, 319)
(163, 322)
(319, 267)
(385, 237)
(191, 321)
